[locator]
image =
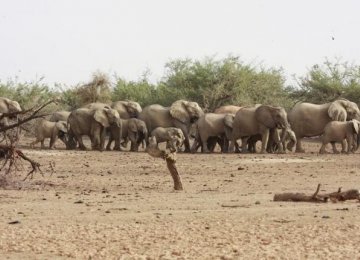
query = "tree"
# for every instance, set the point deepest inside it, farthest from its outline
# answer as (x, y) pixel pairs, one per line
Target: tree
(329, 81)
(213, 83)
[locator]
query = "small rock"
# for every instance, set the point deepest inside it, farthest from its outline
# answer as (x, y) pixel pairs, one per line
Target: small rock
(14, 222)
(241, 168)
(325, 216)
(257, 202)
(79, 202)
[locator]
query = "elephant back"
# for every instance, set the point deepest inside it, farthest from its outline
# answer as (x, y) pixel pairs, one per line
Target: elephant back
(96, 105)
(156, 116)
(59, 116)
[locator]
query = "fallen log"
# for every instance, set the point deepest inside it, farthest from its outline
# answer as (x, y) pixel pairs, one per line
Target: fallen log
(301, 197)
(170, 157)
(352, 194)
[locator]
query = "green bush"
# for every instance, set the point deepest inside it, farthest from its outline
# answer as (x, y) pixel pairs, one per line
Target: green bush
(329, 81)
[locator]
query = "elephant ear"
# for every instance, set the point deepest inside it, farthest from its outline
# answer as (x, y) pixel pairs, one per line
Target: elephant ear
(355, 124)
(179, 112)
(264, 115)
(101, 117)
(337, 112)
(61, 126)
(229, 120)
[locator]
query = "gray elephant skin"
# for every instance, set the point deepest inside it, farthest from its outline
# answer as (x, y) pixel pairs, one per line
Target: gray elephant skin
(93, 123)
(133, 129)
(212, 127)
(345, 132)
(180, 114)
(261, 119)
(173, 137)
(8, 106)
(53, 130)
(308, 120)
(59, 116)
(126, 109)
(228, 109)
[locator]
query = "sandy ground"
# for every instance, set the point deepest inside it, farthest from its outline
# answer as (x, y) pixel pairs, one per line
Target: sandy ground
(121, 205)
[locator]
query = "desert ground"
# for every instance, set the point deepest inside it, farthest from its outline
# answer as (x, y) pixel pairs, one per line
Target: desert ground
(121, 205)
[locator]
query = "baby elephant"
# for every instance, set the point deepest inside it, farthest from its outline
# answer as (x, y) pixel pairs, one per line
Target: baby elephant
(53, 130)
(336, 131)
(173, 137)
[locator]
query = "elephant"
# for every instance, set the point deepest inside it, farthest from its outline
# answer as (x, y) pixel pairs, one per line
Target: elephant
(53, 130)
(173, 137)
(260, 119)
(212, 125)
(93, 123)
(126, 109)
(344, 132)
(133, 129)
(180, 114)
(229, 109)
(60, 116)
(286, 136)
(8, 106)
(307, 119)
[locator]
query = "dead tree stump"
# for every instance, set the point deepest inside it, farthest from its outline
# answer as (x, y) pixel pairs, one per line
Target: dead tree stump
(153, 150)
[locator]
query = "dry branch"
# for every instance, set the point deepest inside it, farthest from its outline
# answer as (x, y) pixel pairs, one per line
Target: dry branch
(301, 197)
(153, 150)
(9, 153)
(352, 194)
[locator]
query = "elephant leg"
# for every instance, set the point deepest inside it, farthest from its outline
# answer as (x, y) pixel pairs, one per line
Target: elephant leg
(42, 144)
(32, 144)
(334, 147)
(231, 146)
(244, 142)
(52, 142)
(264, 140)
(81, 143)
(225, 147)
(299, 148)
(108, 146)
(102, 139)
(211, 143)
(322, 148)
(187, 144)
(237, 147)
(195, 146)
(350, 142)
(277, 145)
(204, 142)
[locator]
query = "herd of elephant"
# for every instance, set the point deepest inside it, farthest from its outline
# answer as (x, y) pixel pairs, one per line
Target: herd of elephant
(125, 121)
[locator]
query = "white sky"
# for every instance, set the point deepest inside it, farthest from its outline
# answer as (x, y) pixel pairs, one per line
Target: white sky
(67, 40)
